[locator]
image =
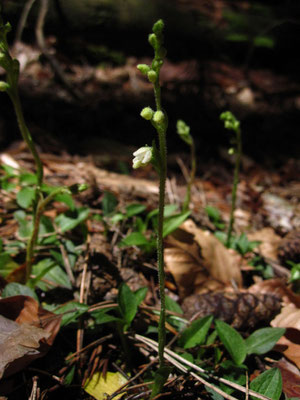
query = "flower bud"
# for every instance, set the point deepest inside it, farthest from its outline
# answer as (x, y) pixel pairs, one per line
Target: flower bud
(143, 68)
(142, 157)
(152, 39)
(152, 76)
(158, 117)
(158, 27)
(162, 52)
(147, 113)
(3, 86)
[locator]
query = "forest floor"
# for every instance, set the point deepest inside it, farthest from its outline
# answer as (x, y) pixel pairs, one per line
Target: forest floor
(79, 319)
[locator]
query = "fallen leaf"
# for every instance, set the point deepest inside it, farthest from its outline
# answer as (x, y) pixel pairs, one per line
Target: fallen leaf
(19, 345)
(99, 386)
(27, 331)
(290, 378)
(199, 262)
(269, 242)
(289, 344)
(278, 288)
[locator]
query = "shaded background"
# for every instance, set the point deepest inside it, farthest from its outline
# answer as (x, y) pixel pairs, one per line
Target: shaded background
(235, 55)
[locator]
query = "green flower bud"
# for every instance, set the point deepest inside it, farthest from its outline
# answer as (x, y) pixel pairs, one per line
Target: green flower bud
(230, 122)
(143, 68)
(3, 86)
(157, 64)
(162, 52)
(152, 39)
(152, 76)
(147, 113)
(158, 27)
(158, 117)
(183, 131)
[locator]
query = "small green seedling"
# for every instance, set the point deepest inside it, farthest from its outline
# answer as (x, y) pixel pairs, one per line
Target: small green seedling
(214, 216)
(231, 123)
(295, 275)
(183, 131)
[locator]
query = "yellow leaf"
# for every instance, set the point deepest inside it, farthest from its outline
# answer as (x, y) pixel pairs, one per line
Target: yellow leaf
(100, 387)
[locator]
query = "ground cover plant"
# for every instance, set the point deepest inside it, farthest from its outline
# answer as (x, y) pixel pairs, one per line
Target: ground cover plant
(121, 335)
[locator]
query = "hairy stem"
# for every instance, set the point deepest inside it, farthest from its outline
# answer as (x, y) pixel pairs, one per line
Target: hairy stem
(235, 184)
(160, 246)
(187, 198)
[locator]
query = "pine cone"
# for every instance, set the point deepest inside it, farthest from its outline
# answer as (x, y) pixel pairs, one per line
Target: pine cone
(239, 309)
(289, 248)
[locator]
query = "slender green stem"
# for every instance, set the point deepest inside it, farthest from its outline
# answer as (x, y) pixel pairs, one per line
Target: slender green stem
(36, 224)
(160, 245)
(235, 184)
(28, 139)
(187, 198)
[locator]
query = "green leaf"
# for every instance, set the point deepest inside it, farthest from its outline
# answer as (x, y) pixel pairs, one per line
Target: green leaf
(264, 41)
(101, 317)
(16, 289)
(52, 273)
(71, 312)
(160, 378)
(237, 37)
(25, 197)
(263, 340)
(172, 305)
(7, 265)
(25, 226)
(28, 179)
(68, 221)
(172, 223)
(140, 295)
(134, 239)
(67, 199)
(134, 209)
(269, 384)
(70, 376)
(233, 373)
(243, 245)
(232, 340)
(127, 302)
(196, 333)
(213, 213)
(109, 203)
(169, 210)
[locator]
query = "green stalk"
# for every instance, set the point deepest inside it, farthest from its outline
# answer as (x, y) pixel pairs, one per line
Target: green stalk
(14, 96)
(235, 184)
(36, 225)
(187, 199)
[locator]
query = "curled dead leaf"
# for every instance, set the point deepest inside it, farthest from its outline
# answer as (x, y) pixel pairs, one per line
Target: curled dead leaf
(26, 332)
(199, 262)
(269, 242)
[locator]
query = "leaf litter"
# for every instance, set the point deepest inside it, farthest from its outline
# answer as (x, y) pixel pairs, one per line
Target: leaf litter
(204, 277)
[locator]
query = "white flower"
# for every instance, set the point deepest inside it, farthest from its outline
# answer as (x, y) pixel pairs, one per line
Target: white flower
(142, 157)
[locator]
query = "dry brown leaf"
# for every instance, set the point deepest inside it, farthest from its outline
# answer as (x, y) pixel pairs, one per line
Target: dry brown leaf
(19, 345)
(289, 344)
(278, 288)
(26, 332)
(186, 267)
(269, 242)
(288, 318)
(199, 261)
(290, 378)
